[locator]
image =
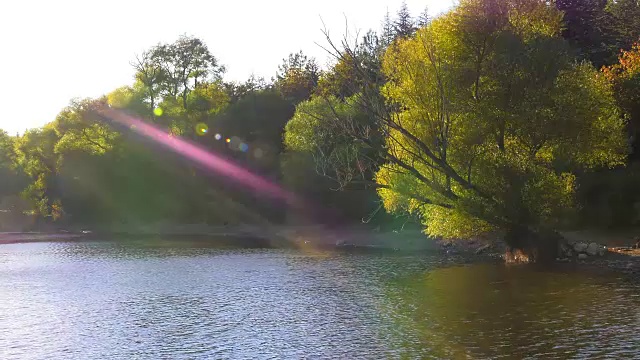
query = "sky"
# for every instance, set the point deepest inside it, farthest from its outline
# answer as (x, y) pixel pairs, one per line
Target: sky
(53, 51)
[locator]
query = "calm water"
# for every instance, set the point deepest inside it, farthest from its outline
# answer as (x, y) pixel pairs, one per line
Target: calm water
(167, 300)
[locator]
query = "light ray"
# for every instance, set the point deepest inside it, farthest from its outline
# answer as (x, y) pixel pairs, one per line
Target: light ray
(199, 155)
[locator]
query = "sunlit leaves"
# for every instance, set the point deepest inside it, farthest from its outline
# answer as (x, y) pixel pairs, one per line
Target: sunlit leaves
(495, 114)
(297, 77)
(78, 129)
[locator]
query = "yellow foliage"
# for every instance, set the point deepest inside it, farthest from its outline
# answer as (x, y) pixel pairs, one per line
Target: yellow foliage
(491, 90)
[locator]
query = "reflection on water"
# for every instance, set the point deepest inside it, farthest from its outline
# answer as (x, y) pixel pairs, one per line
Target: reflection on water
(192, 301)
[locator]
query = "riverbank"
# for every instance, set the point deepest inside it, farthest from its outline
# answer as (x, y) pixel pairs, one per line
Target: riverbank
(620, 257)
(271, 236)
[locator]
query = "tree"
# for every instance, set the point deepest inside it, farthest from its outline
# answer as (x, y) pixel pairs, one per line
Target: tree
(297, 77)
(584, 22)
(599, 29)
(388, 31)
(404, 26)
(625, 79)
(489, 119)
(424, 18)
(182, 65)
(151, 75)
(36, 156)
(78, 130)
(622, 25)
(321, 159)
(11, 176)
(237, 91)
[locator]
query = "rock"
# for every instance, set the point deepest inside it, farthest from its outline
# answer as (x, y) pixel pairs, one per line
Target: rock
(482, 249)
(565, 250)
(593, 249)
(583, 256)
(580, 247)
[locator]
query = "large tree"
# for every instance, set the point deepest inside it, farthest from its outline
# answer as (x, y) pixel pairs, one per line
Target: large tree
(487, 117)
(173, 70)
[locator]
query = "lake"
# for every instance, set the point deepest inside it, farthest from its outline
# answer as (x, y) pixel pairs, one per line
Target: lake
(189, 300)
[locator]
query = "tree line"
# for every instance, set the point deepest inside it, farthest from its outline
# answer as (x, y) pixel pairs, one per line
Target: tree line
(517, 115)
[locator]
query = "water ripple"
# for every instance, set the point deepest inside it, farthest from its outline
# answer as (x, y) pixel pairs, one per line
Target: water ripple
(189, 301)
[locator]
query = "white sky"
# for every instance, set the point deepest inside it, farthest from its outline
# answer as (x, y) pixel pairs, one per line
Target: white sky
(53, 51)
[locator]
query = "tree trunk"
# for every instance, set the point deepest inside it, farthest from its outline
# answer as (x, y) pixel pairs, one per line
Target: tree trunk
(525, 245)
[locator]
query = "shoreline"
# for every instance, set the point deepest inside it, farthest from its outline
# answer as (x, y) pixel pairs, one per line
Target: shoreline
(622, 260)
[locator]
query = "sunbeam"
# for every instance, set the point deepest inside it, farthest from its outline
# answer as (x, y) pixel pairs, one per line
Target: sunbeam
(199, 155)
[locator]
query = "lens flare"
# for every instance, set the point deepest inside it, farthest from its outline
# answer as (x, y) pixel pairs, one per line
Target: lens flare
(218, 136)
(158, 111)
(228, 140)
(199, 155)
(202, 129)
(244, 147)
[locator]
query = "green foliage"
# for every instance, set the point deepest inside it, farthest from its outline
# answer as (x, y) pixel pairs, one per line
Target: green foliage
(495, 117)
(320, 160)
(609, 198)
(479, 119)
(317, 129)
(625, 79)
(599, 29)
(622, 25)
(78, 130)
(297, 77)
(12, 178)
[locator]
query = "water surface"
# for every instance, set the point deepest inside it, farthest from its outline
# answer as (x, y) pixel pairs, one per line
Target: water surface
(185, 300)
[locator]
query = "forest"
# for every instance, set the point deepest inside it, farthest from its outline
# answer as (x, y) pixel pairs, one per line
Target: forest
(498, 115)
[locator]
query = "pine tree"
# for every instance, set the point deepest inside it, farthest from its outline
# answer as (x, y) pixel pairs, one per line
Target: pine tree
(388, 31)
(424, 19)
(404, 26)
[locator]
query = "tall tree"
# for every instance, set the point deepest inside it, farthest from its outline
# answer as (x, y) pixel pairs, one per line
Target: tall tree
(150, 73)
(388, 32)
(404, 25)
(297, 77)
(35, 154)
(184, 63)
(424, 18)
(492, 116)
